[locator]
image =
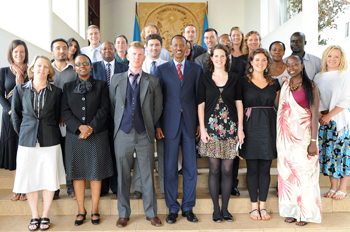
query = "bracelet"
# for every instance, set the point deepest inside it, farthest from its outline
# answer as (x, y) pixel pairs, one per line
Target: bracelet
(313, 140)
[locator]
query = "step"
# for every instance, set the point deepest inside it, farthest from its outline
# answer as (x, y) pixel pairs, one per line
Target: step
(331, 222)
(6, 180)
(204, 163)
(108, 204)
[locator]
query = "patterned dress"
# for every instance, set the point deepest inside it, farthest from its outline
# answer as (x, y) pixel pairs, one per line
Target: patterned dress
(222, 132)
(298, 177)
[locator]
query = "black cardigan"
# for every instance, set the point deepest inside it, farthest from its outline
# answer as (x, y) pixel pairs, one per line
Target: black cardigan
(209, 93)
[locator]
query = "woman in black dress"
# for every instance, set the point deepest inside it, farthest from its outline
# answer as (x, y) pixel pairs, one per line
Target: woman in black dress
(11, 76)
(85, 107)
(260, 95)
(220, 113)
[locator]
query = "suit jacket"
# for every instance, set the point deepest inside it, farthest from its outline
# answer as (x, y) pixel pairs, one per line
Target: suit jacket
(151, 100)
(28, 126)
(237, 65)
(197, 50)
(99, 72)
(177, 95)
(90, 108)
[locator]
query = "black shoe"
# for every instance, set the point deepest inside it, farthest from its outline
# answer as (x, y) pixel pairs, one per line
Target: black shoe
(217, 219)
(228, 217)
(171, 218)
(95, 221)
(190, 216)
(80, 222)
(235, 191)
(180, 172)
(136, 195)
(57, 194)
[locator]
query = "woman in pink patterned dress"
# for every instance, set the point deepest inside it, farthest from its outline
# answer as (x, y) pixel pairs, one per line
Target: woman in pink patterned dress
(297, 127)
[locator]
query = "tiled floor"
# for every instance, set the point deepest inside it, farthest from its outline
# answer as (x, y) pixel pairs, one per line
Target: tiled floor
(242, 222)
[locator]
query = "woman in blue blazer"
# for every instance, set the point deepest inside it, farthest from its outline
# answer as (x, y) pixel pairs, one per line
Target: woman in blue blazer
(35, 116)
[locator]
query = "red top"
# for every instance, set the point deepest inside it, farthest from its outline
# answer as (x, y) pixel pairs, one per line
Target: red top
(300, 98)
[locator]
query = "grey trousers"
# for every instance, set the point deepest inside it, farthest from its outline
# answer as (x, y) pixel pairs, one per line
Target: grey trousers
(125, 145)
(136, 179)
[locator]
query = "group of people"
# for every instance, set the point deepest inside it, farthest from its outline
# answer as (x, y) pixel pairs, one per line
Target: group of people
(82, 116)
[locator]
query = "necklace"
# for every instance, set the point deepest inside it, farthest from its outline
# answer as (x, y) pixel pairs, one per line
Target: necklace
(292, 88)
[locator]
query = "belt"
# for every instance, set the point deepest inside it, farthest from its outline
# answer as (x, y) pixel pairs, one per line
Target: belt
(248, 110)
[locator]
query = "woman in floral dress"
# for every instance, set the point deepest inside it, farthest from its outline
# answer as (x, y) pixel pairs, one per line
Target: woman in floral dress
(297, 127)
(220, 113)
(333, 83)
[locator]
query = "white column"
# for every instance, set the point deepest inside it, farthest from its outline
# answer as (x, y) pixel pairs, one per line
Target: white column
(310, 25)
(273, 14)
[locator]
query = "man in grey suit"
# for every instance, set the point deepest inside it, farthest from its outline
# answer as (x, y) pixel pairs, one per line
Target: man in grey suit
(210, 39)
(190, 33)
(136, 106)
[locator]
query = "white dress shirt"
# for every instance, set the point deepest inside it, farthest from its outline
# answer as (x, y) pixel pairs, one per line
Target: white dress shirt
(182, 65)
(312, 65)
(111, 67)
(164, 54)
(89, 51)
(147, 64)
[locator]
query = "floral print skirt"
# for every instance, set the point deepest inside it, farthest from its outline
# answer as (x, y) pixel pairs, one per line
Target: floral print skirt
(222, 132)
(334, 151)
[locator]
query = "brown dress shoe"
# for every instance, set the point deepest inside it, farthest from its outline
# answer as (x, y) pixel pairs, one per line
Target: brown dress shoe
(122, 222)
(155, 221)
(136, 195)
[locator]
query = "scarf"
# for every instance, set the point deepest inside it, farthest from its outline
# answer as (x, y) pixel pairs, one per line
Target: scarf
(19, 72)
(83, 87)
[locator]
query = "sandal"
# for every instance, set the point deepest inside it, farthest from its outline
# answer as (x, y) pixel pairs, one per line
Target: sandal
(15, 196)
(256, 215)
(264, 215)
(34, 222)
(22, 197)
(339, 195)
(45, 222)
(289, 220)
(301, 223)
(329, 194)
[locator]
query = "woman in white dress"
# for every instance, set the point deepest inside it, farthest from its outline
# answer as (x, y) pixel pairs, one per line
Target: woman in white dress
(35, 116)
(278, 69)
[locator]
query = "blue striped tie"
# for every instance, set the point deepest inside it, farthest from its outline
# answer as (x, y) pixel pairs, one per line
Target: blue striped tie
(153, 68)
(108, 73)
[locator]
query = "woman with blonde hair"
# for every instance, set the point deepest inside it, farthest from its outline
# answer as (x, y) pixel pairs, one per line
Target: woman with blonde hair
(237, 37)
(252, 41)
(36, 108)
(333, 83)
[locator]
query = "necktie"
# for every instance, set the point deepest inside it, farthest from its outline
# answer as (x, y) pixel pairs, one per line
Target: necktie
(179, 72)
(134, 81)
(108, 73)
(153, 68)
(93, 60)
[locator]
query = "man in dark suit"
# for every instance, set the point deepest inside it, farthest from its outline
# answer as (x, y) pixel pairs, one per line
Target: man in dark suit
(179, 126)
(210, 39)
(136, 106)
(190, 33)
(104, 70)
(237, 65)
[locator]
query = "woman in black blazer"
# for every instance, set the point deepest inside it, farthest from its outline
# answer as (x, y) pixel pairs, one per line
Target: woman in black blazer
(35, 116)
(85, 108)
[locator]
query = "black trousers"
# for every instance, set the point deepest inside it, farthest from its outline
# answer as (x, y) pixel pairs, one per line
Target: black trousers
(258, 178)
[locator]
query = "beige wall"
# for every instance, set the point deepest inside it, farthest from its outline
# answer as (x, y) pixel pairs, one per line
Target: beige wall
(117, 16)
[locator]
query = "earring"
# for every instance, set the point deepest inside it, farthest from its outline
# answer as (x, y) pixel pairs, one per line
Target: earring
(266, 70)
(250, 69)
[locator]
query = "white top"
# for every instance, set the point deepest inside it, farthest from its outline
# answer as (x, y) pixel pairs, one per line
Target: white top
(182, 65)
(111, 67)
(164, 54)
(334, 89)
(312, 65)
(147, 64)
(89, 51)
(281, 78)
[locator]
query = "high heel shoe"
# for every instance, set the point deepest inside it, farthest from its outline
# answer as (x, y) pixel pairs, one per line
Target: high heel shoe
(95, 221)
(80, 222)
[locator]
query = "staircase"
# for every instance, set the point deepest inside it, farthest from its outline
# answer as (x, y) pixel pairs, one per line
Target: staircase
(15, 216)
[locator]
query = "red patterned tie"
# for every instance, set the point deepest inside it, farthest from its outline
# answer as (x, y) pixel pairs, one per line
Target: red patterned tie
(179, 72)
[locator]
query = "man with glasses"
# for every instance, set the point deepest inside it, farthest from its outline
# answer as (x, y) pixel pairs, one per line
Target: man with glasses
(210, 39)
(64, 72)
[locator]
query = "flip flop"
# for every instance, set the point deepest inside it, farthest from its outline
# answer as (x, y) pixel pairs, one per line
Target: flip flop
(256, 215)
(290, 220)
(15, 196)
(301, 223)
(23, 197)
(339, 195)
(329, 194)
(264, 214)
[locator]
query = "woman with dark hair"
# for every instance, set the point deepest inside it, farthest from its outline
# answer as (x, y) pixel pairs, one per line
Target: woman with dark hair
(252, 41)
(121, 45)
(333, 83)
(10, 77)
(220, 113)
(188, 52)
(36, 113)
(73, 50)
(237, 37)
(278, 68)
(297, 128)
(260, 96)
(85, 108)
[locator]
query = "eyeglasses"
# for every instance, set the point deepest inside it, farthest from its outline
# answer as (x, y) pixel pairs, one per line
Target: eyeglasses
(80, 64)
(225, 42)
